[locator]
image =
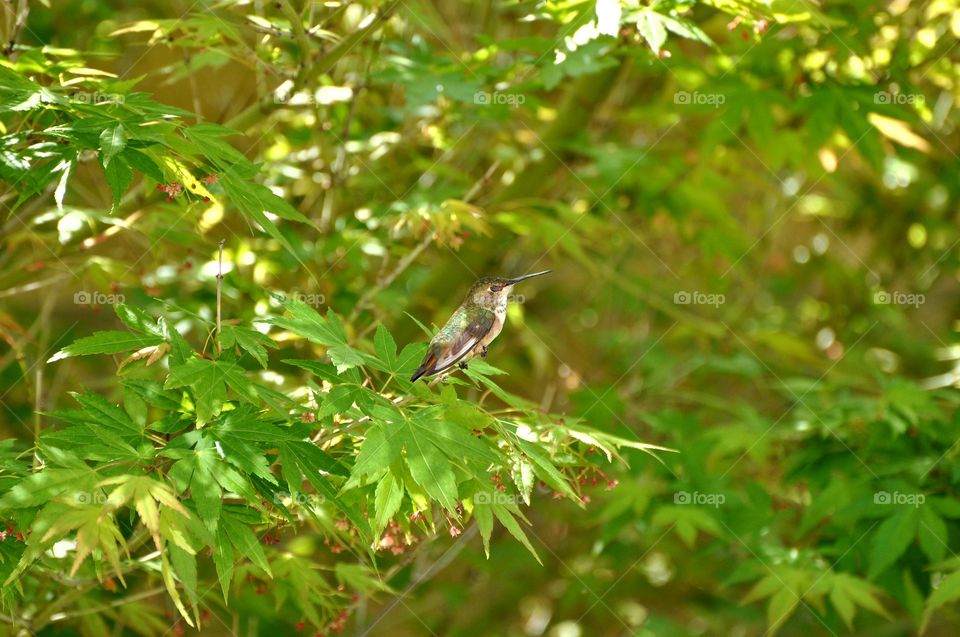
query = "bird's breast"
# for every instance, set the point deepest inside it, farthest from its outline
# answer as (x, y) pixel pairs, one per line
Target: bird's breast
(498, 319)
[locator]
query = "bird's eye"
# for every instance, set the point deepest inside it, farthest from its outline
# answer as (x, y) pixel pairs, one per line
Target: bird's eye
(495, 288)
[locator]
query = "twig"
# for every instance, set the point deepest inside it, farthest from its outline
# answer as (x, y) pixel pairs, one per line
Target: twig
(421, 577)
(384, 283)
(296, 25)
(426, 241)
(340, 162)
(20, 20)
(483, 181)
(194, 89)
(267, 103)
(219, 295)
(42, 618)
(347, 425)
(328, 61)
(114, 604)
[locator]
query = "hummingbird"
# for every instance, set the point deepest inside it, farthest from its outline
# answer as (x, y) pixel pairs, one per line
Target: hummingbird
(472, 327)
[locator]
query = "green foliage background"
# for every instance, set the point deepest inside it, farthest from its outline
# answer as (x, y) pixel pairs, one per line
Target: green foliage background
(750, 211)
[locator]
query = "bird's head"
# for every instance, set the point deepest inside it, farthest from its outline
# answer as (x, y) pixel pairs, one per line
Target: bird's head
(491, 292)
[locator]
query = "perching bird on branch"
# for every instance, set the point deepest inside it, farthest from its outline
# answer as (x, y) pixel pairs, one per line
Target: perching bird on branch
(472, 327)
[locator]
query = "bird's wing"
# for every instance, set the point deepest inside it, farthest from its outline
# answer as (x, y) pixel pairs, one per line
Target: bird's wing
(453, 342)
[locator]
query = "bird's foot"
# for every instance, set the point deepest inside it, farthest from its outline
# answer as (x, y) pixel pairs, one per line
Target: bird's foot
(483, 352)
(462, 365)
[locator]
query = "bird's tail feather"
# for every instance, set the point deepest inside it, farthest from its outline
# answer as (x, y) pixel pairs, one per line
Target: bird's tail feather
(426, 368)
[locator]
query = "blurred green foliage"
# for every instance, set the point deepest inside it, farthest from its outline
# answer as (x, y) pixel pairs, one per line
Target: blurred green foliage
(751, 214)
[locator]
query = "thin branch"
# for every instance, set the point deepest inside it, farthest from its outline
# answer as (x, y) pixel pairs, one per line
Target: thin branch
(296, 25)
(219, 296)
(114, 604)
(420, 577)
(424, 243)
(267, 103)
(346, 426)
(340, 162)
(325, 63)
(46, 614)
(19, 21)
(385, 283)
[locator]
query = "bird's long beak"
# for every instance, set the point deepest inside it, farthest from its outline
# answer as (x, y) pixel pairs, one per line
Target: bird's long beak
(527, 276)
